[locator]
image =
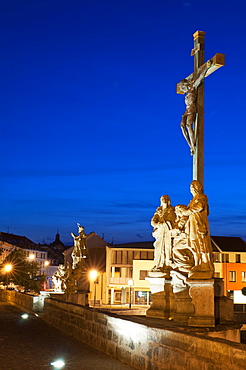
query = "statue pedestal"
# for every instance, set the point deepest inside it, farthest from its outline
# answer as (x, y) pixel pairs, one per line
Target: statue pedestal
(184, 300)
(202, 295)
(162, 301)
(224, 307)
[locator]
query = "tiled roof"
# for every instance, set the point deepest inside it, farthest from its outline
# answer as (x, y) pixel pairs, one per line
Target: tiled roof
(228, 244)
(18, 241)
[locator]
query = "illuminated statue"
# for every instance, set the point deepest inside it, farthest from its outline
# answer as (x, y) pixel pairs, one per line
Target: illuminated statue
(163, 222)
(189, 87)
(70, 279)
(59, 279)
(182, 236)
(197, 231)
(80, 248)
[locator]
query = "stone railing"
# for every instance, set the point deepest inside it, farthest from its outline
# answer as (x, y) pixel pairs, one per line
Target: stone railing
(141, 345)
(28, 302)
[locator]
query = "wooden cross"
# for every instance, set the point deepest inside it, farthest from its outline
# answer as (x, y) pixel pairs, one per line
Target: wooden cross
(195, 102)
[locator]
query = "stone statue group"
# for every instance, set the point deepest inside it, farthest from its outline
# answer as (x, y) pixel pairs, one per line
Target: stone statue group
(182, 237)
(66, 277)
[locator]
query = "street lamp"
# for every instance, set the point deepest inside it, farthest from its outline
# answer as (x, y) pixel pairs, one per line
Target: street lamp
(93, 276)
(31, 256)
(8, 268)
(130, 283)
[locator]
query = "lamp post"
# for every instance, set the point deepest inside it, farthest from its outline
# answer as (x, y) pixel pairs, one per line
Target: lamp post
(93, 276)
(130, 283)
(8, 269)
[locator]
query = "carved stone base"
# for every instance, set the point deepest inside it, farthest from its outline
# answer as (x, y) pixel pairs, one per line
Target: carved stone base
(224, 308)
(197, 275)
(183, 306)
(184, 300)
(162, 301)
(202, 295)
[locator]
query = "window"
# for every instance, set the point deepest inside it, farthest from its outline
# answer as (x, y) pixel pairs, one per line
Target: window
(243, 276)
(225, 257)
(129, 257)
(232, 276)
(216, 257)
(143, 255)
(114, 258)
(150, 255)
(118, 257)
(143, 274)
(124, 257)
(137, 255)
(238, 258)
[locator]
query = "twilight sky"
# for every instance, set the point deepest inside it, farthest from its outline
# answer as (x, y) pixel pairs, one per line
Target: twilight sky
(90, 119)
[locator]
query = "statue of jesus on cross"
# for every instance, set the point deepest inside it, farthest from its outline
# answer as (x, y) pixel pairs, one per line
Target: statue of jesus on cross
(188, 123)
(192, 123)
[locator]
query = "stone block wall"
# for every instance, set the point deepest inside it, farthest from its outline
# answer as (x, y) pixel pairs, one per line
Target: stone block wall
(23, 301)
(18, 299)
(141, 346)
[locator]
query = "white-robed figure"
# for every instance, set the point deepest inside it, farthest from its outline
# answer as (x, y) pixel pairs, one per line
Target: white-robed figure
(163, 222)
(197, 229)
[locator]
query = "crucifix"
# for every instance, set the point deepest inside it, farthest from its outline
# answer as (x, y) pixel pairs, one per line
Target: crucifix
(192, 123)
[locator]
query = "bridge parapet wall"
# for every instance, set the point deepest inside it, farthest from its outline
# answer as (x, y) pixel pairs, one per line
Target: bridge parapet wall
(141, 346)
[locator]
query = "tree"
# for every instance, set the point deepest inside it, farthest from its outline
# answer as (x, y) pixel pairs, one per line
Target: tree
(24, 273)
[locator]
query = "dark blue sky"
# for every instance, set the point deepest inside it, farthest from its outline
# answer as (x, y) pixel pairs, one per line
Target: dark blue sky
(90, 120)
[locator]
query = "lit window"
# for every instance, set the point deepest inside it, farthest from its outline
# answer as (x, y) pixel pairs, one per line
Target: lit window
(238, 258)
(216, 257)
(243, 276)
(232, 276)
(225, 257)
(143, 274)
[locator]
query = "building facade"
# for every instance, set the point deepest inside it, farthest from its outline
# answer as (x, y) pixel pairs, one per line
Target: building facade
(127, 265)
(32, 251)
(229, 254)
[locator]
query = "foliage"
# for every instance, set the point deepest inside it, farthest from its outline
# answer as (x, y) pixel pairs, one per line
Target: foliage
(24, 273)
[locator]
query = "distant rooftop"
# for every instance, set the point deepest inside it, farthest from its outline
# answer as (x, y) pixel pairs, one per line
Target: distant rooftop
(17, 240)
(228, 244)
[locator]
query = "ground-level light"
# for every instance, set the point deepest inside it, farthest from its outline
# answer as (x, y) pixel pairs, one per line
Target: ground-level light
(58, 364)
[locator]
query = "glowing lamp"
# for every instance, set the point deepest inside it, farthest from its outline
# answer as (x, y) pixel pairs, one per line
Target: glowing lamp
(8, 267)
(58, 364)
(93, 274)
